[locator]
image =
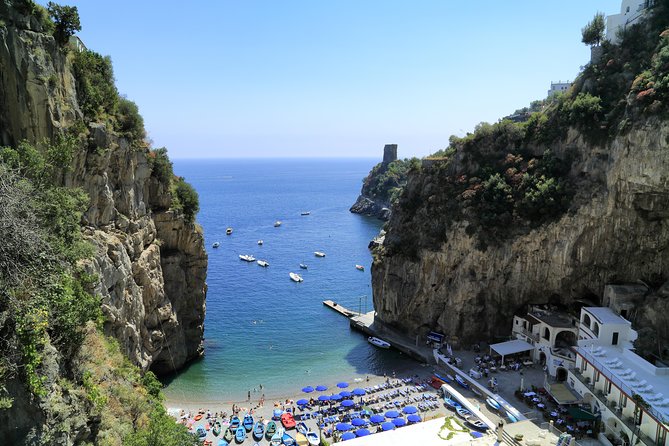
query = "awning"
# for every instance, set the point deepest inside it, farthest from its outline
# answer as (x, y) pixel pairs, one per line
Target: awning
(562, 394)
(436, 337)
(511, 347)
(580, 414)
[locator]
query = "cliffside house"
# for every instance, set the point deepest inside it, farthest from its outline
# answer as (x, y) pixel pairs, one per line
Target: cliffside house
(552, 334)
(76, 44)
(558, 87)
(630, 13)
(629, 393)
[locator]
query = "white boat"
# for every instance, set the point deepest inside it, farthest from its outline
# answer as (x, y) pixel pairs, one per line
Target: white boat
(303, 266)
(260, 242)
(247, 258)
(215, 245)
(312, 438)
(305, 213)
(378, 342)
(277, 223)
(263, 263)
(296, 277)
(228, 231)
(359, 267)
(319, 253)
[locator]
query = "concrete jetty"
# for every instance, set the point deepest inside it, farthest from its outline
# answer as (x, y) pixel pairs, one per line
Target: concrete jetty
(340, 309)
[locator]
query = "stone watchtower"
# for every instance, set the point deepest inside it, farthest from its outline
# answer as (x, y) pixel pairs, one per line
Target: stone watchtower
(389, 153)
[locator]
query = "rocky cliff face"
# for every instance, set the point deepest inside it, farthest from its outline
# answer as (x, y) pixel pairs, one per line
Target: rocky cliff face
(615, 231)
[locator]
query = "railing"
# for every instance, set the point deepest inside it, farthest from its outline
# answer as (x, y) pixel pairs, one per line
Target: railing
(554, 430)
(529, 334)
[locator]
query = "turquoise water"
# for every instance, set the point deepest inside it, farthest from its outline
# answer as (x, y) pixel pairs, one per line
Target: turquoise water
(262, 328)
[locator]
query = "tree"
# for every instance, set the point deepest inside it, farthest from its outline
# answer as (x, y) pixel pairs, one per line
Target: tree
(593, 32)
(66, 19)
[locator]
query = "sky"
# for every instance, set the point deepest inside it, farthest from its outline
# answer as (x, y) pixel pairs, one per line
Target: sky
(338, 78)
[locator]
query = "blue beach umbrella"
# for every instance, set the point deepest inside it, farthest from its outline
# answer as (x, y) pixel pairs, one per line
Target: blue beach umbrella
(307, 389)
(342, 385)
(302, 402)
(377, 418)
(321, 388)
(413, 418)
(277, 413)
(324, 398)
(362, 432)
(335, 397)
(392, 414)
(359, 392)
(347, 403)
(387, 426)
(348, 436)
(399, 422)
(345, 394)
(358, 422)
(341, 427)
(410, 409)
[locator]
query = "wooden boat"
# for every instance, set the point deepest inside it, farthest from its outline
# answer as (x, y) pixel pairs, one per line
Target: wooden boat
(234, 423)
(217, 429)
(223, 442)
(462, 412)
(270, 430)
(296, 277)
(287, 420)
(460, 380)
(378, 342)
(476, 424)
(240, 435)
(312, 438)
(277, 223)
(319, 253)
(198, 417)
(228, 231)
(287, 440)
(511, 417)
(303, 266)
(301, 439)
(277, 438)
(216, 245)
(476, 391)
(302, 428)
(248, 422)
(451, 403)
(228, 435)
(493, 404)
(201, 432)
(359, 267)
(263, 263)
(258, 430)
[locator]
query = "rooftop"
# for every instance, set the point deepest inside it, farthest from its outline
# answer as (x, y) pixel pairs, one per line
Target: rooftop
(553, 319)
(606, 316)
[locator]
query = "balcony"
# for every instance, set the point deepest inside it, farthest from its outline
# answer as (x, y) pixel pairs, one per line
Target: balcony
(530, 335)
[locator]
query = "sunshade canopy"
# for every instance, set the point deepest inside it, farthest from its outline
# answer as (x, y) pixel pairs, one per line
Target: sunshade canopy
(511, 347)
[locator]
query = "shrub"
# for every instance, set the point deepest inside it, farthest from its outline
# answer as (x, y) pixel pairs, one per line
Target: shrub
(161, 166)
(129, 122)
(187, 198)
(96, 91)
(66, 21)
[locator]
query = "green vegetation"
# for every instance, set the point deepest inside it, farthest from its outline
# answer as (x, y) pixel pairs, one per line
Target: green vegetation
(385, 182)
(185, 198)
(66, 21)
(593, 32)
(96, 91)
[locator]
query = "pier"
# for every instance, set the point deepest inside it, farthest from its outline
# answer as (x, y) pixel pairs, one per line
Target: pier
(340, 309)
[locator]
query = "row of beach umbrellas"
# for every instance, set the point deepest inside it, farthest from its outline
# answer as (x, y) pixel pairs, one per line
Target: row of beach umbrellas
(341, 385)
(386, 426)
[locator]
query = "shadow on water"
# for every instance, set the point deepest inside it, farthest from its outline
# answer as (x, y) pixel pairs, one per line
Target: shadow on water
(367, 359)
(167, 379)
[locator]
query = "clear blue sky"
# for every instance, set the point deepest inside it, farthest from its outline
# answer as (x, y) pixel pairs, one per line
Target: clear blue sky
(332, 78)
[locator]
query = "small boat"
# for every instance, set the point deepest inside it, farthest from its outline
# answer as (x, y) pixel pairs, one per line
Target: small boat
(443, 378)
(312, 438)
(223, 442)
(277, 223)
(277, 437)
(305, 213)
(359, 267)
(228, 231)
(247, 258)
(216, 245)
(451, 403)
(464, 413)
(461, 381)
(476, 391)
(234, 423)
(240, 435)
(270, 430)
(296, 277)
(303, 266)
(378, 342)
(319, 253)
(260, 242)
(476, 424)
(287, 420)
(217, 429)
(493, 404)
(228, 435)
(287, 440)
(511, 417)
(263, 263)
(302, 428)
(248, 422)
(258, 430)
(201, 432)
(301, 439)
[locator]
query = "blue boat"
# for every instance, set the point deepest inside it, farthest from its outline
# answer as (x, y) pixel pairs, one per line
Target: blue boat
(258, 430)
(511, 417)
(460, 380)
(201, 432)
(493, 404)
(464, 413)
(234, 423)
(222, 442)
(443, 378)
(248, 422)
(277, 437)
(302, 428)
(240, 435)
(476, 424)
(287, 440)
(451, 403)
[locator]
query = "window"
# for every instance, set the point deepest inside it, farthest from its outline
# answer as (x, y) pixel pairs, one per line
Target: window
(586, 320)
(596, 330)
(614, 340)
(547, 334)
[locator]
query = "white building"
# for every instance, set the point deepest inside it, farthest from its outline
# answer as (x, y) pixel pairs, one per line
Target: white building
(553, 335)
(630, 12)
(630, 394)
(558, 87)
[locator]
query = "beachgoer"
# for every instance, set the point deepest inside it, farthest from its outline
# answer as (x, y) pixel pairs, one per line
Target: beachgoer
(367, 378)
(249, 395)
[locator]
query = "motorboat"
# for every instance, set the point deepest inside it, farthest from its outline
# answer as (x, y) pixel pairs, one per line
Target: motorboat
(263, 263)
(303, 266)
(493, 404)
(260, 242)
(247, 258)
(319, 253)
(248, 422)
(312, 438)
(277, 223)
(277, 438)
(359, 267)
(378, 342)
(216, 245)
(305, 213)
(460, 380)
(296, 277)
(228, 231)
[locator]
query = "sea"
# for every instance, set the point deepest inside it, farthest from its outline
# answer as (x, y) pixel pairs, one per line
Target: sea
(261, 328)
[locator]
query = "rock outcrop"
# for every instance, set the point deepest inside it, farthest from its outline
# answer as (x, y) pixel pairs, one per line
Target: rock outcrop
(616, 231)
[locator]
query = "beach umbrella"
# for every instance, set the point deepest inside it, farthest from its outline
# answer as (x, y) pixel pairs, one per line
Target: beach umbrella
(387, 426)
(302, 402)
(277, 413)
(345, 394)
(377, 418)
(410, 409)
(323, 398)
(341, 427)
(307, 389)
(399, 422)
(348, 436)
(359, 392)
(347, 403)
(392, 414)
(414, 418)
(321, 388)
(362, 432)
(335, 397)
(342, 385)
(358, 422)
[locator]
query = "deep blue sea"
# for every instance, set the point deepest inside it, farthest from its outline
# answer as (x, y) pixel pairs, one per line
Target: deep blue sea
(262, 328)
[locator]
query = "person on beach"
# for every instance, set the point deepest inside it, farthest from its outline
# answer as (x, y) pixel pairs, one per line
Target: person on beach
(249, 395)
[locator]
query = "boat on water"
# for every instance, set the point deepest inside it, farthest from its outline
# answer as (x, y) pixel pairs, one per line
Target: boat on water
(359, 267)
(378, 342)
(303, 266)
(313, 439)
(462, 412)
(277, 223)
(260, 242)
(305, 213)
(263, 263)
(277, 437)
(240, 435)
(248, 422)
(270, 430)
(287, 420)
(493, 404)
(228, 231)
(301, 439)
(319, 253)
(296, 277)
(258, 430)
(287, 440)
(217, 429)
(234, 423)
(302, 428)
(216, 245)
(247, 258)
(460, 380)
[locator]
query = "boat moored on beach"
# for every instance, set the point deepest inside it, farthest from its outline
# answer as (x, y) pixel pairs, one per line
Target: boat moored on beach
(240, 435)
(228, 435)
(287, 440)
(295, 277)
(312, 438)
(378, 342)
(493, 404)
(301, 439)
(462, 412)
(234, 423)
(287, 420)
(277, 438)
(258, 430)
(217, 429)
(319, 253)
(247, 258)
(302, 428)
(270, 430)
(461, 381)
(248, 422)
